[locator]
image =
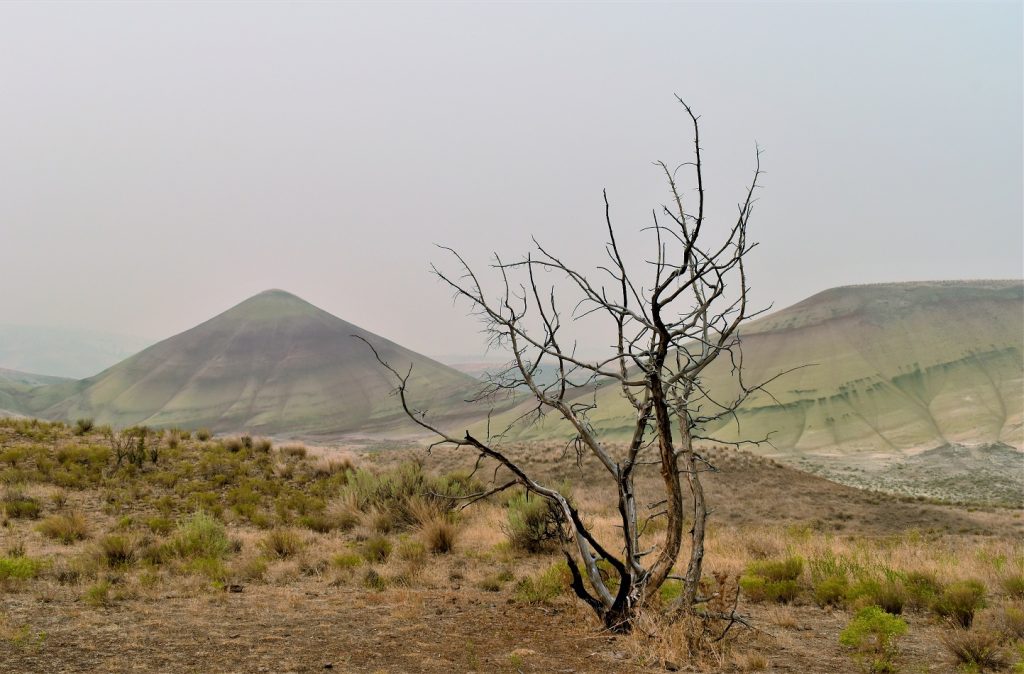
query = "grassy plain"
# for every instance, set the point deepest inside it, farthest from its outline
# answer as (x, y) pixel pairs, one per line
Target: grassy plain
(231, 554)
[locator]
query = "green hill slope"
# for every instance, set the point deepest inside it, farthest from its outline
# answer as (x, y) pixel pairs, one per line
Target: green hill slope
(892, 369)
(273, 364)
(16, 387)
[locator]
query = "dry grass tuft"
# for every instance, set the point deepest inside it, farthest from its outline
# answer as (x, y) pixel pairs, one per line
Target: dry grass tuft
(66, 528)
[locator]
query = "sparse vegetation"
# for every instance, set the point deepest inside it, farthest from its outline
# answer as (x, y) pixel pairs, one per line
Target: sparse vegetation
(203, 519)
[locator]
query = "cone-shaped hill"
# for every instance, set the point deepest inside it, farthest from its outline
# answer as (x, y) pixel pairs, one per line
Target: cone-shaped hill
(272, 364)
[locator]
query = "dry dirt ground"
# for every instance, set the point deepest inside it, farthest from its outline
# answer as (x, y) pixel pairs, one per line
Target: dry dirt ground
(313, 628)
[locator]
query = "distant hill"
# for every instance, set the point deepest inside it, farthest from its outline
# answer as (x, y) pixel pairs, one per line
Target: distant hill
(273, 364)
(892, 370)
(15, 387)
(63, 352)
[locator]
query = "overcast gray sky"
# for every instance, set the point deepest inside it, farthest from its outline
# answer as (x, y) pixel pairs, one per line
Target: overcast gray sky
(162, 162)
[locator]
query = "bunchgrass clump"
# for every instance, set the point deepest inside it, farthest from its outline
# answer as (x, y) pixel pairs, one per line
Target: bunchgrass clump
(97, 594)
(116, 550)
(439, 535)
(201, 535)
(282, 543)
(83, 426)
(20, 506)
(831, 591)
(772, 580)
(548, 585)
(376, 549)
(66, 528)
(1013, 585)
(975, 650)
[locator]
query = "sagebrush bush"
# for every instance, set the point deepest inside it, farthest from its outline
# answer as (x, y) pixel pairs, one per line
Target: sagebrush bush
(407, 494)
(203, 434)
(374, 581)
(66, 528)
(533, 524)
(83, 426)
(922, 588)
(960, 601)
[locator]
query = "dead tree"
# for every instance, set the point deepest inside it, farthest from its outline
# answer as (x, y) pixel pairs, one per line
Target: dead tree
(666, 334)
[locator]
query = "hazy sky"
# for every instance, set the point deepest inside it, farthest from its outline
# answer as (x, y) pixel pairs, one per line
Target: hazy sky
(162, 162)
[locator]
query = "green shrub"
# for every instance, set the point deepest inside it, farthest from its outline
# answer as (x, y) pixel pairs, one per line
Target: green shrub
(551, 583)
(960, 600)
(412, 551)
(772, 580)
(203, 434)
(66, 528)
(408, 494)
(160, 525)
(199, 536)
(831, 591)
(18, 505)
(873, 634)
(97, 594)
(376, 549)
(889, 594)
(1014, 585)
(789, 568)
(19, 568)
(83, 426)
(922, 588)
